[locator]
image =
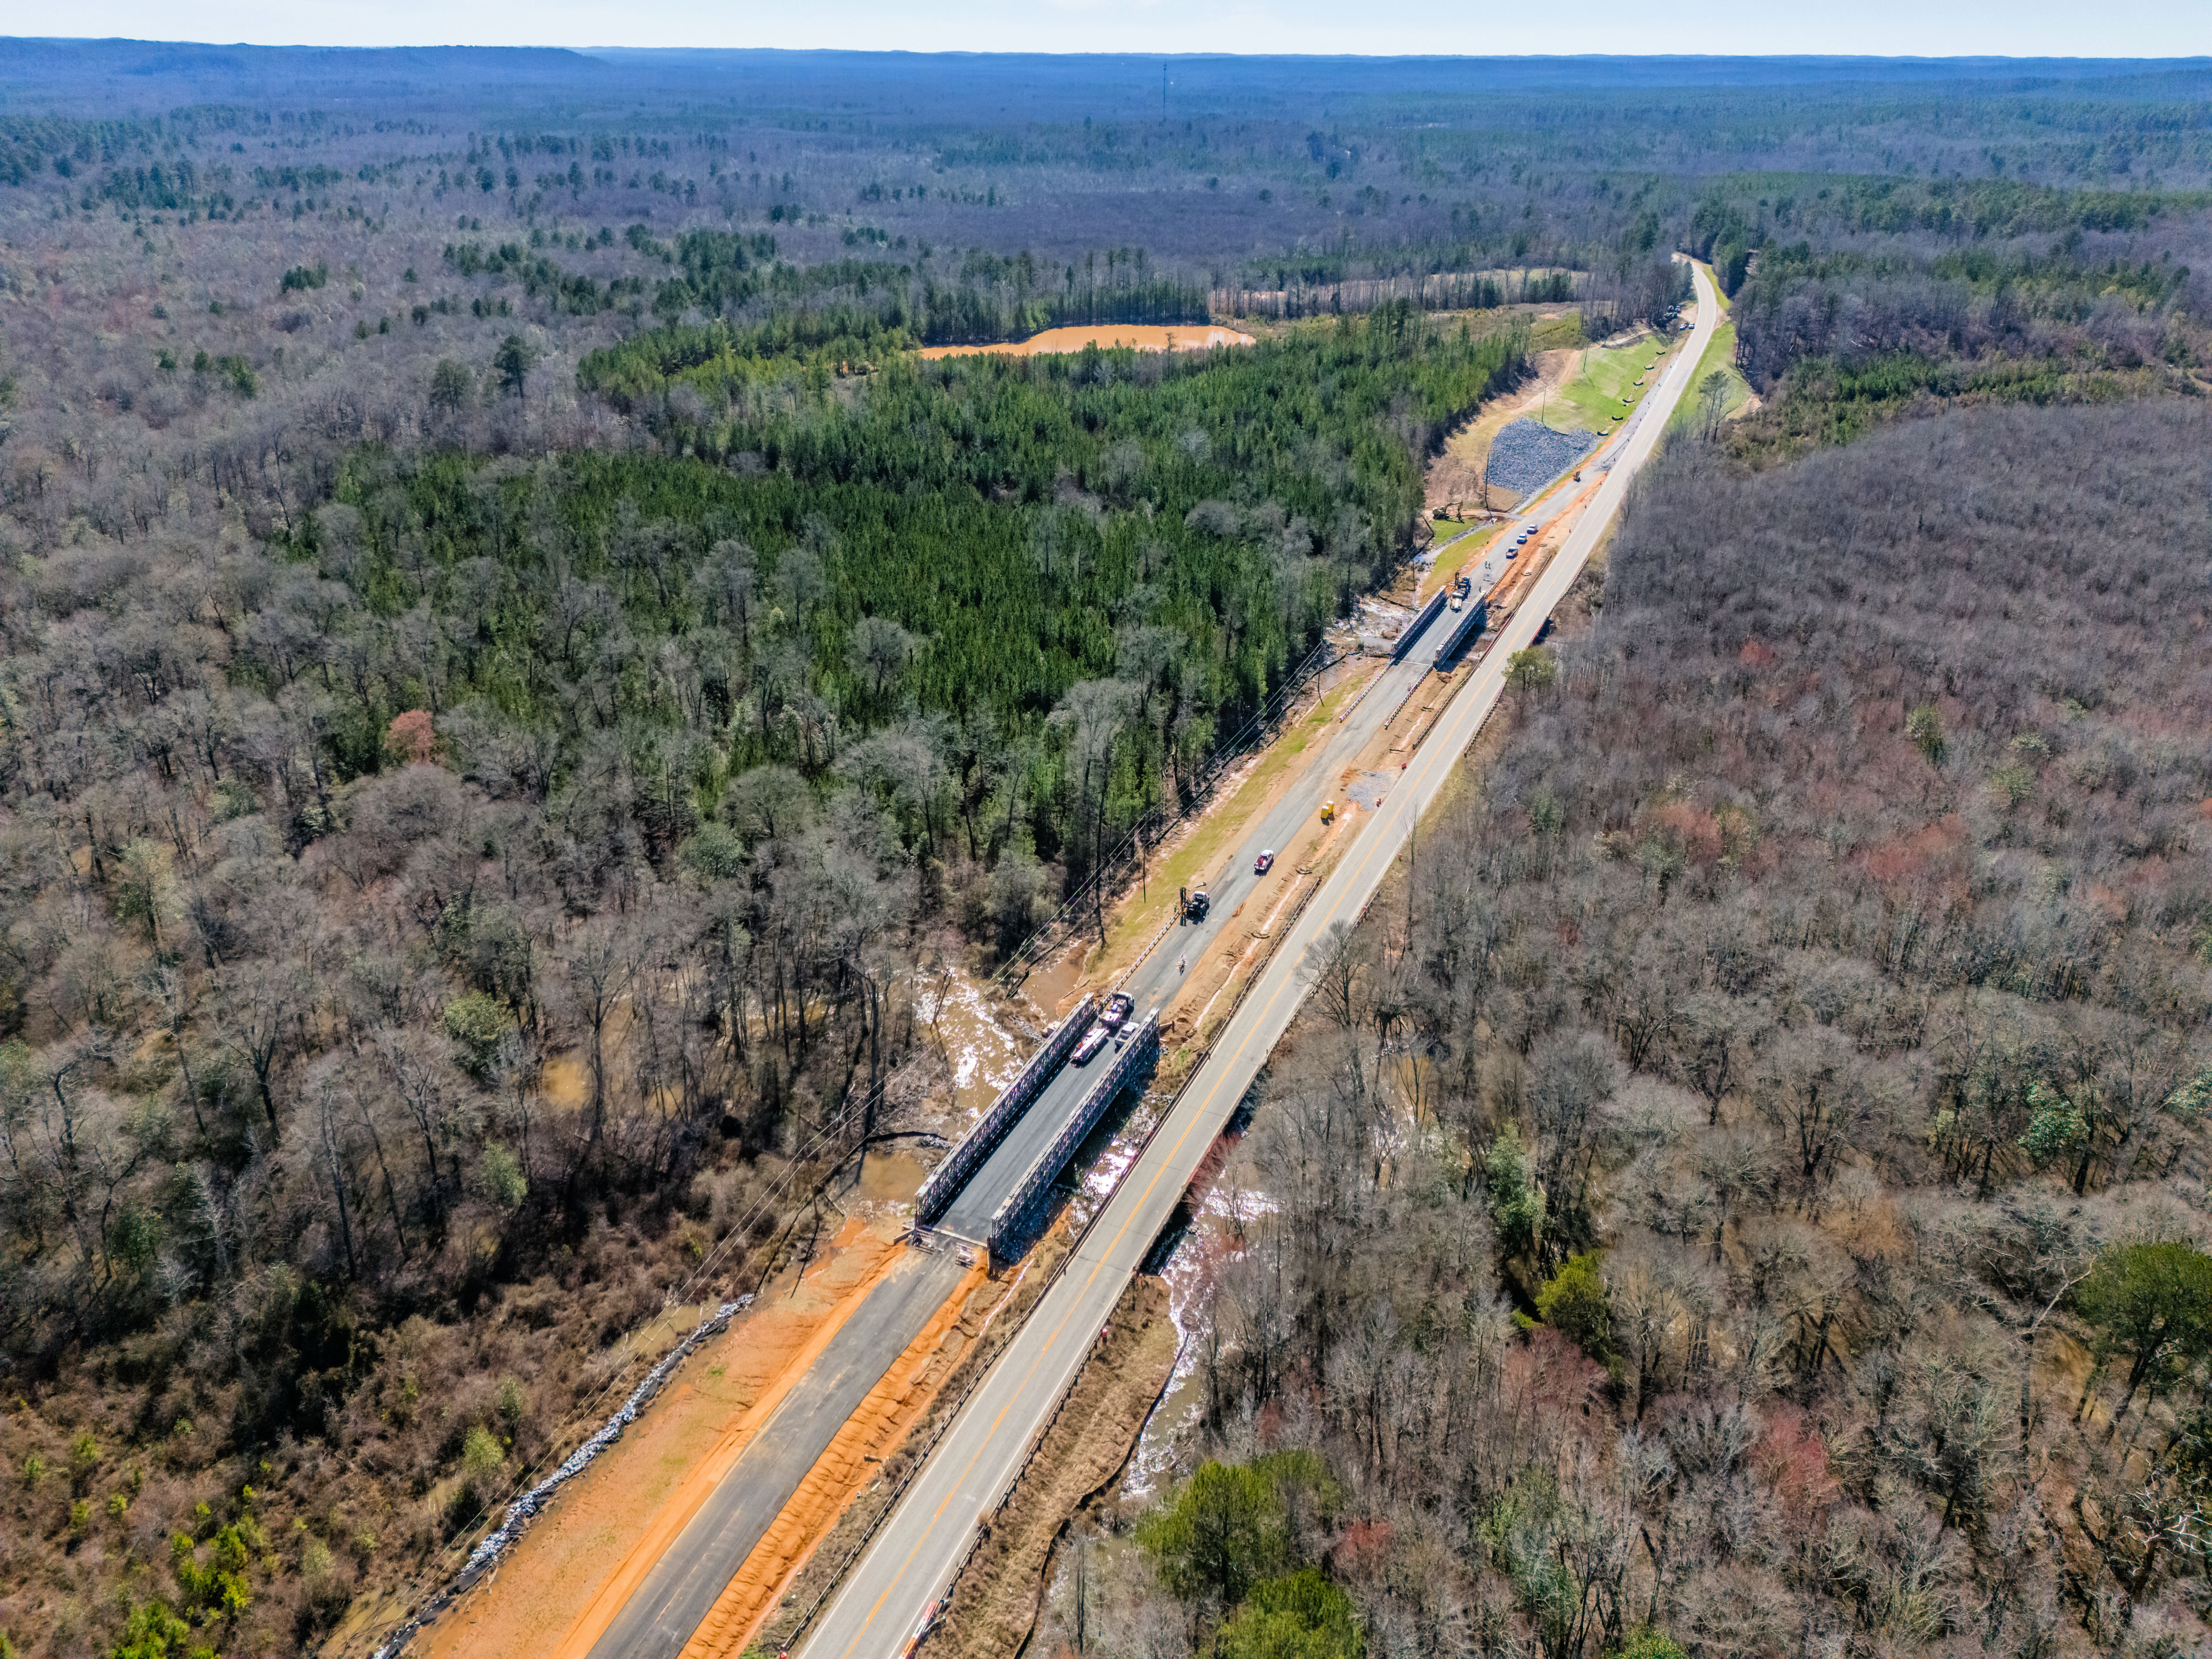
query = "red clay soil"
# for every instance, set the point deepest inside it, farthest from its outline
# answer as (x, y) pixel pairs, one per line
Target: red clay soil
(892, 1407)
(580, 1552)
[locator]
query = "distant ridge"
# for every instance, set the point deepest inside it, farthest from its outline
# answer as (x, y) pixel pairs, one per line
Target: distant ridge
(141, 76)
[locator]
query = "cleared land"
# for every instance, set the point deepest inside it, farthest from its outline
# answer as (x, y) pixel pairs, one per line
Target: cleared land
(717, 1402)
(1610, 379)
(1719, 356)
(1135, 337)
(1456, 482)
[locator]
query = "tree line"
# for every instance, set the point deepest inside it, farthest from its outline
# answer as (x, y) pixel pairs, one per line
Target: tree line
(431, 927)
(1747, 1194)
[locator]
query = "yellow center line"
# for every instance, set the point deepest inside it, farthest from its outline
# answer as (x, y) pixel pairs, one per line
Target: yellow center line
(1360, 873)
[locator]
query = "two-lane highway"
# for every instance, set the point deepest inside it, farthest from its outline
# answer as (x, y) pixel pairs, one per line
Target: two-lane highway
(913, 1557)
(654, 1610)
(1152, 982)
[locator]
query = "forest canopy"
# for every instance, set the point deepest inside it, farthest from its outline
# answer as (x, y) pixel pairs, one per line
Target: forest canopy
(1749, 1195)
(522, 695)
(953, 546)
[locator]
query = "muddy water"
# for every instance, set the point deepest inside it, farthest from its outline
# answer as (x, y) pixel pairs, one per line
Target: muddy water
(1051, 989)
(1194, 1275)
(985, 1053)
(889, 1179)
(1140, 336)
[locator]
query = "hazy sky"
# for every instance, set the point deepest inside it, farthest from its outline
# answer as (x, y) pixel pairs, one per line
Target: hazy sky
(2115, 28)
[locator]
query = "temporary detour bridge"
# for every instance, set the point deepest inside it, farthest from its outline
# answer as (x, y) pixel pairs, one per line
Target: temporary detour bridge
(1015, 1225)
(976, 1146)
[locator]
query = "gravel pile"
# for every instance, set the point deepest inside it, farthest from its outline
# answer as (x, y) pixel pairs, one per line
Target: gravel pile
(1369, 789)
(1526, 454)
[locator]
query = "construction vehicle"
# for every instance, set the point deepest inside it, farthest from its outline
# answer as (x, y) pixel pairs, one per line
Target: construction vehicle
(1329, 811)
(1195, 906)
(1461, 589)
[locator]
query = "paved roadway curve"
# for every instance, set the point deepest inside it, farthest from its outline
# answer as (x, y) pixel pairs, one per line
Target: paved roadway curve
(915, 1553)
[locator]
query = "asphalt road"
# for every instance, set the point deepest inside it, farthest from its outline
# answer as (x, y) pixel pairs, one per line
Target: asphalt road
(915, 1555)
(681, 1589)
(657, 1621)
(1231, 884)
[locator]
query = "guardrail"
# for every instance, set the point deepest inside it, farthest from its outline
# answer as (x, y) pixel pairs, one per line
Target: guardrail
(1458, 639)
(1015, 1219)
(1427, 614)
(947, 1180)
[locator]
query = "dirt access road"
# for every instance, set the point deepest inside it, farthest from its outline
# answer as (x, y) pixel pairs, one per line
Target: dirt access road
(915, 1557)
(665, 1599)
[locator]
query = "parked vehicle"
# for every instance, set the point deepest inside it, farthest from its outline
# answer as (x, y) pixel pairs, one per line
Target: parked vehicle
(1119, 1008)
(1092, 1041)
(1264, 863)
(1195, 907)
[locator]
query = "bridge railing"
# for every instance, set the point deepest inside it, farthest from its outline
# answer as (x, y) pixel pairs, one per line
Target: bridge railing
(1470, 624)
(1427, 614)
(1015, 1219)
(947, 1180)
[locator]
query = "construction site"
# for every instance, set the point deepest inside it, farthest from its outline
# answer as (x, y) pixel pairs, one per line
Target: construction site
(726, 1518)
